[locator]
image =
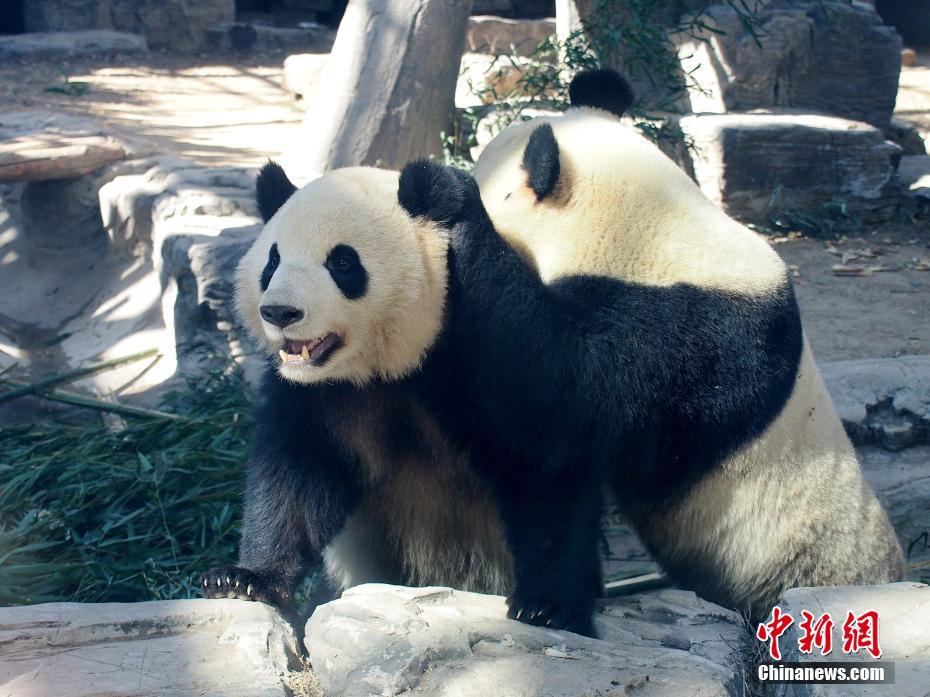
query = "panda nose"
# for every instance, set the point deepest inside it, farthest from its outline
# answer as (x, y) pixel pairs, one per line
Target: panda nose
(280, 315)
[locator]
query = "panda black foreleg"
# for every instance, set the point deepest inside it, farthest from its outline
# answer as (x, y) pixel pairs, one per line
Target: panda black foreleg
(553, 529)
(299, 494)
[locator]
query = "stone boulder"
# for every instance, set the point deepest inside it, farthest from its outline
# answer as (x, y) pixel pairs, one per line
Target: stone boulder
(181, 648)
(882, 401)
(904, 636)
(70, 43)
(174, 24)
(815, 55)
(388, 640)
(497, 35)
(760, 163)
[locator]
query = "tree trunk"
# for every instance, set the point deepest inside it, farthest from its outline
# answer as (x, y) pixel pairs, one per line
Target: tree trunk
(389, 85)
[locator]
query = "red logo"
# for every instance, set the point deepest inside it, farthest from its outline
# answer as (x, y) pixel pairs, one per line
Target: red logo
(861, 633)
(817, 632)
(770, 631)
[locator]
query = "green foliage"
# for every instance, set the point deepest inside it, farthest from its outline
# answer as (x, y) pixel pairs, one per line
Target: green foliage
(639, 35)
(832, 219)
(72, 88)
(92, 515)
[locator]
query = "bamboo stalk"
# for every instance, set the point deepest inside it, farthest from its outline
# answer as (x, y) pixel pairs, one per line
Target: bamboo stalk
(71, 375)
(81, 400)
(636, 584)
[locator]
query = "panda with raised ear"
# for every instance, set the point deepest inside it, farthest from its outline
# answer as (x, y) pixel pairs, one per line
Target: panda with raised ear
(618, 328)
(346, 293)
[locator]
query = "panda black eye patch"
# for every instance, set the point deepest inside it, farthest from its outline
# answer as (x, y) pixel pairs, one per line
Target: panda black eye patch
(273, 260)
(347, 271)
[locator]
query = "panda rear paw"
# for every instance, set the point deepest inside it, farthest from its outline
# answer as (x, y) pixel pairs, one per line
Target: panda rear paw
(237, 583)
(547, 612)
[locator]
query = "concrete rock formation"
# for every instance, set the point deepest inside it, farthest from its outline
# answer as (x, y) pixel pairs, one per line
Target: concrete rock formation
(175, 24)
(754, 164)
(183, 648)
(829, 57)
(381, 639)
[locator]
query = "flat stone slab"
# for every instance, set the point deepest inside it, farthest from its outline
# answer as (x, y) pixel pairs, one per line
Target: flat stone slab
(758, 164)
(904, 635)
(46, 156)
(389, 640)
(174, 648)
(67, 43)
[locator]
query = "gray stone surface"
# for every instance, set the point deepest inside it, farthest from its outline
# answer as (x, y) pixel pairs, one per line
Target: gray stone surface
(906, 136)
(175, 24)
(817, 55)
(757, 164)
(883, 401)
(904, 635)
(196, 223)
(177, 648)
(902, 482)
(70, 43)
(243, 36)
(497, 35)
(388, 640)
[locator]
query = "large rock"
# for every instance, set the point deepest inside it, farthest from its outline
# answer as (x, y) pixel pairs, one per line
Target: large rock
(902, 482)
(176, 648)
(904, 636)
(176, 24)
(819, 55)
(882, 401)
(70, 43)
(387, 640)
(497, 35)
(757, 164)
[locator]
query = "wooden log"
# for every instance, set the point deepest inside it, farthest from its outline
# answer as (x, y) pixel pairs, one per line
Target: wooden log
(388, 88)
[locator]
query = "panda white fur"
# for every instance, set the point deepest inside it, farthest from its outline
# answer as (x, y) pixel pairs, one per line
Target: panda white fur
(621, 328)
(347, 293)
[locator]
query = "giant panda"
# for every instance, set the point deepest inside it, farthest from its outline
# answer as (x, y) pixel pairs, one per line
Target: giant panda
(346, 293)
(618, 328)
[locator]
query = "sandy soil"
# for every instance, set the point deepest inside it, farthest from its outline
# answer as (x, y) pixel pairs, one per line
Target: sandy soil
(216, 110)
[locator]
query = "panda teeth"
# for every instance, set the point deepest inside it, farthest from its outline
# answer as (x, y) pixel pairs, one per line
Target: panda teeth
(305, 353)
(283, 355)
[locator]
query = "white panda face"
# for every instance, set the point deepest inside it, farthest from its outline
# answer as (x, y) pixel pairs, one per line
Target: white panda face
(341, 284)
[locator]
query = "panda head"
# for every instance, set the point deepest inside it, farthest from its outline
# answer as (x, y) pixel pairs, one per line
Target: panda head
(546, 181)
(341, 284)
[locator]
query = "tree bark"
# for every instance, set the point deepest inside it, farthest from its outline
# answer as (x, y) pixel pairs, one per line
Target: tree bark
(389, 85)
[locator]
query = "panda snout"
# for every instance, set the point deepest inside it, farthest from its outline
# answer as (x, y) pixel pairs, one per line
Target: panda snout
(280, 315)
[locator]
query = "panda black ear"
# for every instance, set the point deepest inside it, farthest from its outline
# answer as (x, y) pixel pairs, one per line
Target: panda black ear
(541, 161)
(432, 190)
(602, 89)
(272, 189)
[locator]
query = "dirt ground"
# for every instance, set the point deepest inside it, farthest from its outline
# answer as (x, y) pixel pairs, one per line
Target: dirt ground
(232, 109)
(213, 110)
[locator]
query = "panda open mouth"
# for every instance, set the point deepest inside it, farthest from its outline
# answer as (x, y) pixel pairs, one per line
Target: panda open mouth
(313, 352)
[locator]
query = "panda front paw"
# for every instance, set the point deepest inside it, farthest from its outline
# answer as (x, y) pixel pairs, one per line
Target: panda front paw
(547, 612)
(243, 584)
